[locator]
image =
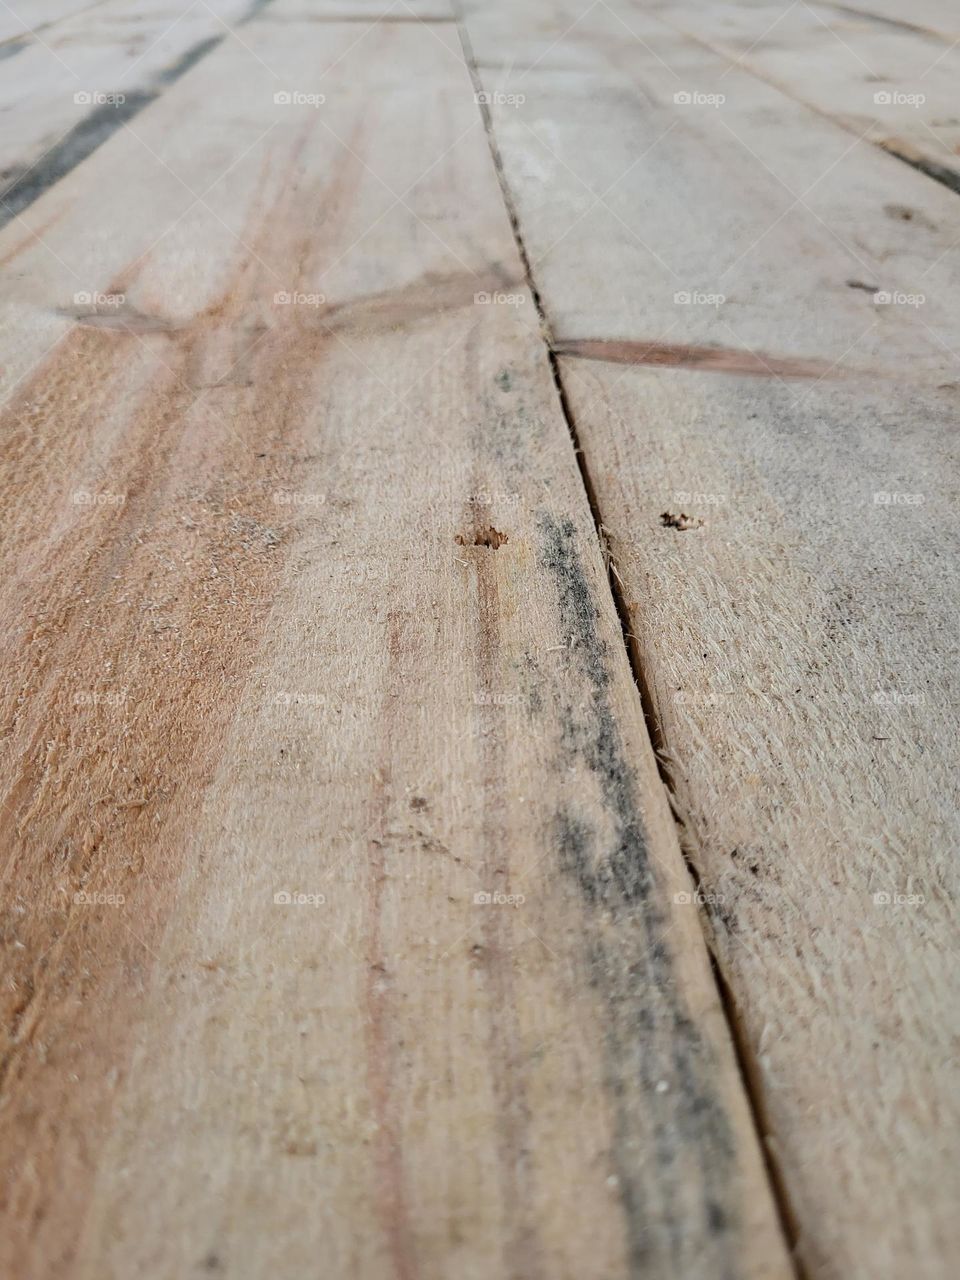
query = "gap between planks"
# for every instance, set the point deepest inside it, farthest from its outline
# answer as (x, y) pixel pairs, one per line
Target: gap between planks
(747, 1067)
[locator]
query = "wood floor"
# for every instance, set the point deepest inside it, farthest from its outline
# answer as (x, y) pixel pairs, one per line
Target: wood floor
(480, 613)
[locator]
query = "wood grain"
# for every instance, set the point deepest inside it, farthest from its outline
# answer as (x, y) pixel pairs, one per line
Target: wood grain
(796, 633)
(938, 16)
(303, 600)
(801, 653)
(896, 86)
(750, 223)
(65, 95)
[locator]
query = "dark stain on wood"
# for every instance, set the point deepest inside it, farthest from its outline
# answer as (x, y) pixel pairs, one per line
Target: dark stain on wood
(660, 1072)
(11, 47)
(944, 174)
(26, 183)
(493, 955)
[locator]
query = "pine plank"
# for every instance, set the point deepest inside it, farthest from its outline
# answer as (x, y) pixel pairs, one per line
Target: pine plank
(802, 655)
(65, 95)
(260, 640)
(711, 202)
(799, 647)
(893, 85)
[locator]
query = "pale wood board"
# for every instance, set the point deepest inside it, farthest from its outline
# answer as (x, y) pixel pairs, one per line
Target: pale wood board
(54, 94)
(895, 86)
(800, 648)
(758, 201)
(247, 655)
(802, 654)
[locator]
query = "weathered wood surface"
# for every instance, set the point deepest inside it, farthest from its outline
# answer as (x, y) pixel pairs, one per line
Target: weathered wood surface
(802, 655)
(63, 96)
(757, 201)
(800, 646)
(260, 640)
(895, 86)
(29, 20)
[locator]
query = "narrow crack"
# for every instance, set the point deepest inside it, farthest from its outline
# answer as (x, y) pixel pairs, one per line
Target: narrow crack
(743, 1053)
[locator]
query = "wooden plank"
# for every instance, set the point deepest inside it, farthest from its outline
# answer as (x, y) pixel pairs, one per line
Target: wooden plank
(799, 647)
(893, 85)
(691, 202)
(801, 651)
(261, 641)
(62, 97)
